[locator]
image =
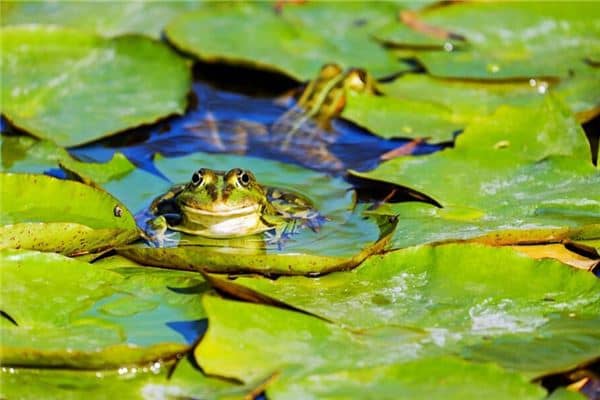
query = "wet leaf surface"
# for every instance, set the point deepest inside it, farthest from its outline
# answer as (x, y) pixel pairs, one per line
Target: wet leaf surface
(437, 377)
(81, 315)
(296, 41)
(533, 182)
(37, 215)
(51, 87)
(472, 299)
(561, 36)
(316, 359)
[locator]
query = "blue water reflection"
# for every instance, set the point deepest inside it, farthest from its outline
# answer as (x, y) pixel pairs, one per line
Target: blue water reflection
(226, 122)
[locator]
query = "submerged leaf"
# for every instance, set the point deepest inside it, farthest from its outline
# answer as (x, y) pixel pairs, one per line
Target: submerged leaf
(51, 86)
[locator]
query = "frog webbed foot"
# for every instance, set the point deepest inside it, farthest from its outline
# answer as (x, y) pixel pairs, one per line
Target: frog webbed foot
(281, 236)
(170, 239)
(314, 221)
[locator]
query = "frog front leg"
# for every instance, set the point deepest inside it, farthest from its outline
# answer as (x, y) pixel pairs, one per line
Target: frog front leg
(156, 231)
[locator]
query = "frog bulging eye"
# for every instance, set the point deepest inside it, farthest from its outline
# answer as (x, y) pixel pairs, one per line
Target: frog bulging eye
(244, 178)
(197, 178)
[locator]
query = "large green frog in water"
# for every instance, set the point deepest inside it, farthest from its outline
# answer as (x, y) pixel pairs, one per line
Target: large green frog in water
(304, 132)
(229, 204)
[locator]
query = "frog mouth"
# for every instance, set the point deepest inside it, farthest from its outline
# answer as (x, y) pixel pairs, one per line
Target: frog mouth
(224, 213)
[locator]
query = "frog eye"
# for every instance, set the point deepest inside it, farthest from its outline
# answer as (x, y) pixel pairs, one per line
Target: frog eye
(244, 178)
(197, 178)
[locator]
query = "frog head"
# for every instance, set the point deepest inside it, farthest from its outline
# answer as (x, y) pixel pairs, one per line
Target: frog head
(222, 204)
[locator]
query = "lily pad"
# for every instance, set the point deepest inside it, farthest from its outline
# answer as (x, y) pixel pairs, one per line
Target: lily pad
(263, 340)
(421, 106)
(313, 359)
(561, 36)
(440, 377)
(25, 154)
(126, 382)
(524, 174)
(558, 252)
(51, 86)
(463, 296)
(44, 213)
(297, 41)
(344, 239)
(144, 17)
(73, 315)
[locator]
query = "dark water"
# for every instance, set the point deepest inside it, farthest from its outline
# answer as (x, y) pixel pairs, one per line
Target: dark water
(213, 110)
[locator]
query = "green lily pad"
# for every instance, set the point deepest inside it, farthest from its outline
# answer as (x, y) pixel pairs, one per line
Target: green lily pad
(522, 175)
(25, 154)
(444, 377)
(344, 240)
(48, 214)
(52, 87)
(145, 17)
(509, 42)
(262, 340)
(74, 314)
(566, 394)
(126, 382)
(421, 106)
(297, 41)
(559, 346)
(481, 301)
(313, 359)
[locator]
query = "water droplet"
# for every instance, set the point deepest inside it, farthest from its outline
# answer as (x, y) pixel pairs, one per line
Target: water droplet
(122, 370)
(532, 82)
(155, 368)
(542, 87)
(493, 68)
(448, 47)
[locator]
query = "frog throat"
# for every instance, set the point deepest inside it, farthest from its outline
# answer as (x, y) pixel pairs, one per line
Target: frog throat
(233, 223)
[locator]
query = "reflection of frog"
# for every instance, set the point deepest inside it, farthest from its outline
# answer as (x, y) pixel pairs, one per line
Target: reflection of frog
(304, 132)
(220, 205)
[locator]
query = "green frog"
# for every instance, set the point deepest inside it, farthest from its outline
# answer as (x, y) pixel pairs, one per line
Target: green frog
(229, 204)
(304, 132)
